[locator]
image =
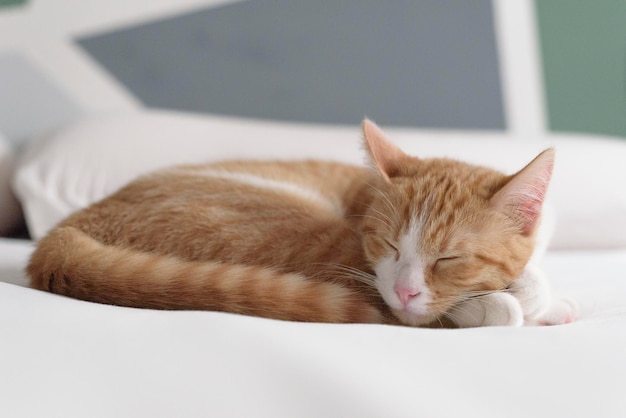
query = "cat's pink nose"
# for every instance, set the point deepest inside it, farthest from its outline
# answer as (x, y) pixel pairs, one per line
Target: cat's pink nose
(406, 294)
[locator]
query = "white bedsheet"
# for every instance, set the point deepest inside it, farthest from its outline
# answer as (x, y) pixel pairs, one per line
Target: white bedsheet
(65, 358)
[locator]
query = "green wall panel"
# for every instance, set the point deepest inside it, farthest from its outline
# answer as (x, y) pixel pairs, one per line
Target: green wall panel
(583, 46)
(11, 2)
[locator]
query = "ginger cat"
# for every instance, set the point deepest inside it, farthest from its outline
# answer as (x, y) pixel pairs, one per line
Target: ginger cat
(421, 242)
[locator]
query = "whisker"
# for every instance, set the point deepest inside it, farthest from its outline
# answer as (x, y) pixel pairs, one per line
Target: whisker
(361, 276)
(478, 293)
(462, 311)
(439, 320)
(348, 272)
(385, 198)
(382, 214)
(390, 220)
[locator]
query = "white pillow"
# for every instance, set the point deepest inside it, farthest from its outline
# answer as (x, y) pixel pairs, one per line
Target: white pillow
(10, 213)
(93, 158)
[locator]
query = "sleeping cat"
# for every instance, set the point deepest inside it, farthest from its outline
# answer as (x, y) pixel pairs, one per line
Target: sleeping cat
(420, 242)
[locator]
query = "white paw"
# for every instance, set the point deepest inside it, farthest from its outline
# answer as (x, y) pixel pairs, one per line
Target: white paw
(532, 290)
(561, 311)
(494, 309)
(503, 309)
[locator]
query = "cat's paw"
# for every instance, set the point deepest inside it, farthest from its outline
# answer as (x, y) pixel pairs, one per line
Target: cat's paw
(502, 309)
(561, 311)
(494, 309)
(532, 290)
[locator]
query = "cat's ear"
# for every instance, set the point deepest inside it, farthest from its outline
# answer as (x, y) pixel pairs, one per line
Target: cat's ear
(522, 197)
(383, 154)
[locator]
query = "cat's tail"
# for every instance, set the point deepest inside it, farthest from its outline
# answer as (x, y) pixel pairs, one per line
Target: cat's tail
(71, 263)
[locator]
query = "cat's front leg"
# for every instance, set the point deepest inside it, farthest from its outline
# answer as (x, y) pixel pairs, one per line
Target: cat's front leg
(493, 309)
(532, 290)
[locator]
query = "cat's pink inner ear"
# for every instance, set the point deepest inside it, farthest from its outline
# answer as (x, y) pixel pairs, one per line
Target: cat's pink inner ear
(383, 154)
(523, 196)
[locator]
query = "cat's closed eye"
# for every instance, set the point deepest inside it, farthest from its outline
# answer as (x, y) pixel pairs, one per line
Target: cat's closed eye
(447, 261)
(392, 247)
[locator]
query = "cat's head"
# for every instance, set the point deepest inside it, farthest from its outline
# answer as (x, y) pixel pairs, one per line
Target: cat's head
(439, 231)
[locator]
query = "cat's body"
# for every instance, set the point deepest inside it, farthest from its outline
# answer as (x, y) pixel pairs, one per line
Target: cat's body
(407, 241)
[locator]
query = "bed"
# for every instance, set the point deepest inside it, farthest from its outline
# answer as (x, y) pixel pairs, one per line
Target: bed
(61, 357)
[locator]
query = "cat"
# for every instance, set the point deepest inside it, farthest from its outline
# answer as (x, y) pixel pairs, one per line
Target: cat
(405, 240)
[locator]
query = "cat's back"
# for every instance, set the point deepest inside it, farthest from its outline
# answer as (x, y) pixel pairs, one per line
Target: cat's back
(225, 209)
(322, 184)
(310, 186)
